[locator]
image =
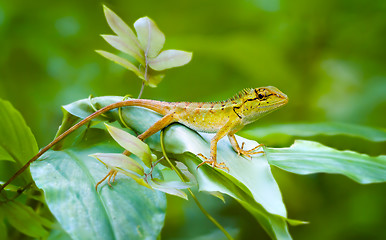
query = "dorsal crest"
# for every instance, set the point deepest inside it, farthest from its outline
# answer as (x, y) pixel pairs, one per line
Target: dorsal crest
(241, 94)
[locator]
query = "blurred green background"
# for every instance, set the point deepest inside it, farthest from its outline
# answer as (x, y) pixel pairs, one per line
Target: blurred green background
(328, 56)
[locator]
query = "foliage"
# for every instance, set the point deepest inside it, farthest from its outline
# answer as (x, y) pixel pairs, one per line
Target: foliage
(145, 48)
(129, 211)
(325, 128)
(249, 181)
(17, 141)
(306, 157)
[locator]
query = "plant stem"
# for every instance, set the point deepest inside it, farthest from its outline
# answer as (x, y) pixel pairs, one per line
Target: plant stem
(146, 77)
(190, 191)
(142, 87)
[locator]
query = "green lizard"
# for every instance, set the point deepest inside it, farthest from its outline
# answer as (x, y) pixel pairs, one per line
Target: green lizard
(223, 118)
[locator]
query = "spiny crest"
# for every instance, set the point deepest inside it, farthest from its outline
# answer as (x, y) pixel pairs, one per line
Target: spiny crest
(241, 94)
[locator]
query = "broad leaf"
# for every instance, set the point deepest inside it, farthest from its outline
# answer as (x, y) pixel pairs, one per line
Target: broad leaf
(312, 129)
(121, 61)
(307, 157)
(118, 43)
(17, 143)
(170, 59)
(121, 29)
(150, 37)
(126, 211)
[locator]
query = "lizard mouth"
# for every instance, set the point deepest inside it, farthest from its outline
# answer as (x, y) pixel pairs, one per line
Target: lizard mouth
(283, 101)
(277, 104)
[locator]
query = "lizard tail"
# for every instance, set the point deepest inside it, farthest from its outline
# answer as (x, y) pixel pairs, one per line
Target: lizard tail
(160, 107)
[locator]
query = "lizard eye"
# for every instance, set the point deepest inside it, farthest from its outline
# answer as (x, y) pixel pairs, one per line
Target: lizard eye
(260, 96)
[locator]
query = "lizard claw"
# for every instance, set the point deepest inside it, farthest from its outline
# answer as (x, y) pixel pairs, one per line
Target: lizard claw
(211, 162)
(250, 152)
(112, 174)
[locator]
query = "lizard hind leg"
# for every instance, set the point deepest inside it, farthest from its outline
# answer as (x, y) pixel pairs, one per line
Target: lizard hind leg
(110, 175)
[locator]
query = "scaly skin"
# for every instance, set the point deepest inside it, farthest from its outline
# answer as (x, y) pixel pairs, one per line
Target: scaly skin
(223, 118)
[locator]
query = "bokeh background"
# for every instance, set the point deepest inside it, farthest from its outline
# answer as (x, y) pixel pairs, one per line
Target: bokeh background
(328, 56)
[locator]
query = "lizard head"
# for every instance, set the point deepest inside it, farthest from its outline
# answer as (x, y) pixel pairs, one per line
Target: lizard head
(270, 97)
(258, 102)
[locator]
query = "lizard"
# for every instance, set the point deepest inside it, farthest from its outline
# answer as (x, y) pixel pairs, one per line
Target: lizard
(223, 118)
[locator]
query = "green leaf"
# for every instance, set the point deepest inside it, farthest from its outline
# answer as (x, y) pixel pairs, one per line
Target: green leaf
(119, 161)
(17, 143)
(122, 30)
(121, 61)
(312, 129)
(84, 107)
(172, 188)
(170, 59)
(307, 157)
(126, 211)
(150, 37)
(154, 79)
(131, 144)
(25, 220)
(121, 45)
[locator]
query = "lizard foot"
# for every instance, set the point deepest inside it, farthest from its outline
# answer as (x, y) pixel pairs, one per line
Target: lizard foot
(112, 174)
(250, 152)
(211, 162)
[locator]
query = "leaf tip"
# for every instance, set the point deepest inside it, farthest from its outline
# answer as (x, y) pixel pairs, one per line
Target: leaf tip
(106, 9)
(107, 126)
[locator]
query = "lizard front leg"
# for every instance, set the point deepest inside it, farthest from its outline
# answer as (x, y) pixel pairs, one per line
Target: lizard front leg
(236, 147)
(213, 147)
